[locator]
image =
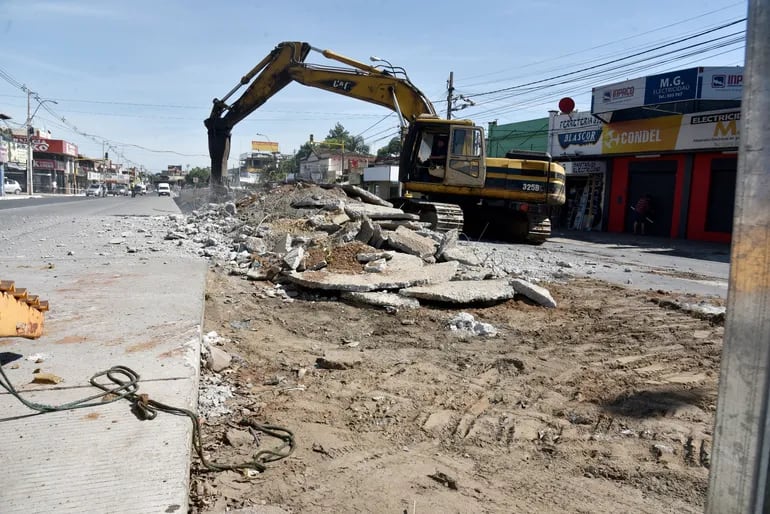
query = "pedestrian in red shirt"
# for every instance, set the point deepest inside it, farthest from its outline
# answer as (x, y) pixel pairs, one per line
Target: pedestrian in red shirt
(642, 211)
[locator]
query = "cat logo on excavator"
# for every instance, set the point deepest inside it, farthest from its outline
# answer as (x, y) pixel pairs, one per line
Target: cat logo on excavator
(21, 314)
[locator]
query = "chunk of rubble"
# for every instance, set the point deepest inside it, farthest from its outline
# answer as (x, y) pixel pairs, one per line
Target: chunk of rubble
(465, 324)
(448, 241)
(412, 243)
(378, 266)
(218, 359)
(463, 292)
(462, 255)
(365, 257)
(537, 294)
(364, 195)
(382, 299)
(293, 257)
(390, 279)
(366, 232)
(318, 202)
(357, 211)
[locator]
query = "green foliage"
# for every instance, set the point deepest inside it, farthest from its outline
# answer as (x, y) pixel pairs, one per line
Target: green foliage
(393, 148)
(353, 144)
(202, 174)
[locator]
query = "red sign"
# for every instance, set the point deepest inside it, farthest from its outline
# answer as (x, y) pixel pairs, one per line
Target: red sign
(59, 146)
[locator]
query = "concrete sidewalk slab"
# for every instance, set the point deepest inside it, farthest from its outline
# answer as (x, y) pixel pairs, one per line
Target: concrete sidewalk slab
(145, 315)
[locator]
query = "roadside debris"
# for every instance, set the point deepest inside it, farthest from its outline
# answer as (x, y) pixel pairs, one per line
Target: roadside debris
(345, 240)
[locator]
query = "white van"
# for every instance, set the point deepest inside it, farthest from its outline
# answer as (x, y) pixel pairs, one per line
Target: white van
(163, 189)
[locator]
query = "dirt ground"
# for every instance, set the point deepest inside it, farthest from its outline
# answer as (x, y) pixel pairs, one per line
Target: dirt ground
(604, 404)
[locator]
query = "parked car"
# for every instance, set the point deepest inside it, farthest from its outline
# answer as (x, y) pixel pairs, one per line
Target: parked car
(163, 189)
(11, 187)
(96, 190)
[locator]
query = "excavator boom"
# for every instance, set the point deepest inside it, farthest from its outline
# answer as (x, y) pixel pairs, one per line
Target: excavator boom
(285, 64)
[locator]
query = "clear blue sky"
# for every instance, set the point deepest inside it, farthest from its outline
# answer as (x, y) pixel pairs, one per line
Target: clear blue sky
(141, 74)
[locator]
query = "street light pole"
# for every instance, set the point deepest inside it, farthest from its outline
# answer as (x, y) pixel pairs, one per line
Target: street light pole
(30, 117)
(29, 144)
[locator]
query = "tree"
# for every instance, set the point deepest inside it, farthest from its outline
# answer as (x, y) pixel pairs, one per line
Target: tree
(202, 174)
(392, 149)
(354, 144)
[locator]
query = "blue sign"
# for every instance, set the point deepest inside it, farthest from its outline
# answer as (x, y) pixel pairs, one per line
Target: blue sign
(585, 137)
(674, 86)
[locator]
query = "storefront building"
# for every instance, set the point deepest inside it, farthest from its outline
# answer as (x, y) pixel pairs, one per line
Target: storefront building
(53, 164)
(673, 136)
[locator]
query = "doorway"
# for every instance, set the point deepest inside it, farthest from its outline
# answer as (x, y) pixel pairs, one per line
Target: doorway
(658, 178)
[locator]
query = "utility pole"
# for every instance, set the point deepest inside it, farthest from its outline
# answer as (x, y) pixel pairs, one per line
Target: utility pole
(739, 481)
(29, 143)
(450, 92)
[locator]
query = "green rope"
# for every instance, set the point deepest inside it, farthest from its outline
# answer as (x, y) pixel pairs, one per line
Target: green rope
(124, 384)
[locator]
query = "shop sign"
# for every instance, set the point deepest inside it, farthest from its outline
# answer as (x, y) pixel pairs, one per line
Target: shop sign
(578, 133)
(3, 151)
(584, 167)
(721, 83)
(715, 129)
(671, 87)
(648, 135)
(44, 164)
(621, 95)
(94, 175)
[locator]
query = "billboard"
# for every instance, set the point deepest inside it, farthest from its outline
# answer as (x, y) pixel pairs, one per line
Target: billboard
(716, 129)
(583, 135)
(722, 83)
(264, 146)
(621, 95)
(671, 87)
(704, 83)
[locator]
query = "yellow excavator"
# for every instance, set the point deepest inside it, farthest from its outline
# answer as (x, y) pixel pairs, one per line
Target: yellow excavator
(445, 175)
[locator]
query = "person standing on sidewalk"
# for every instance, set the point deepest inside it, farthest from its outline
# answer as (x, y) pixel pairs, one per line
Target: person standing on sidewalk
(642, 211)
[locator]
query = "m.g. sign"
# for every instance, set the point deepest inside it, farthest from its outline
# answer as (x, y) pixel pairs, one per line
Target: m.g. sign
(671, 87)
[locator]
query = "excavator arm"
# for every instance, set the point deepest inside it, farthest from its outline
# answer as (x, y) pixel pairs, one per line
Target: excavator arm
(389, 88)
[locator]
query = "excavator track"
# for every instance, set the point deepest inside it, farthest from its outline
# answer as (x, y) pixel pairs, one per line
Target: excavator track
(441, 217)
(21, 314)
(539, 231)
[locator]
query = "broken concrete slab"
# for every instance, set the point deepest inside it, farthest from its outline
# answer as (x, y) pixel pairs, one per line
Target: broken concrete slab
(318, 202)
(537, 294)
(366, 232)
(390, 279)
(411, 225)
(409, 242)
(463, 292)
(293, 257)
(462, 255)
(364, 195)
(448, 241)
(382, 299)
(365, 257)
(404, 261)
(378, 266)
(376, 212)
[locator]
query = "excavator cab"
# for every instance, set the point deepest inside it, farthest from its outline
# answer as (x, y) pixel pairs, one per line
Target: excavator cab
(444, 152)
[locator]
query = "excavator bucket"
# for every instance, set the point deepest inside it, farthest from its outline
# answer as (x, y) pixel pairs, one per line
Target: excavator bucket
(21, 314)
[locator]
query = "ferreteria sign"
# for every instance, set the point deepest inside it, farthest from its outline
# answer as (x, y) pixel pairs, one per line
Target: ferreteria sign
(575, 134)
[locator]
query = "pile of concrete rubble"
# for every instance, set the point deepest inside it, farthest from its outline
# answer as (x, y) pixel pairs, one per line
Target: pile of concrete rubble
(344, 240)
